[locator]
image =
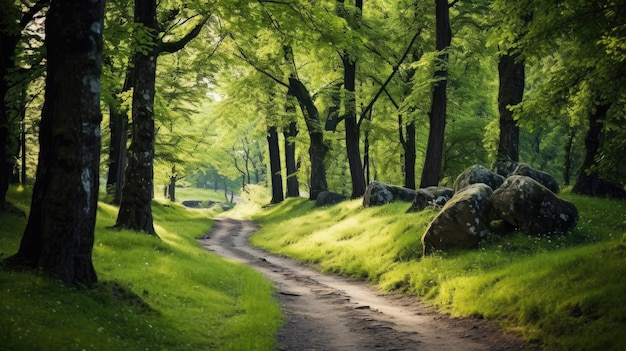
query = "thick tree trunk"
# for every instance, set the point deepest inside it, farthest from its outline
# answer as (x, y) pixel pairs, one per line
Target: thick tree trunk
(353, 143)
(510, 93)
(275, 167)
(589, 181)
(60, 231)
(293, 187)
(434, 149)
(317, 148)
(135, 208)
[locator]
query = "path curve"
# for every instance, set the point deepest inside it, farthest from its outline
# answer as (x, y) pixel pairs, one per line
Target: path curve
(328, 312)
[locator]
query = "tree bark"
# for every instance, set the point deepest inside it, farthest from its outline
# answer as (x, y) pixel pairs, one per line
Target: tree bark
(293, 187)
(135, 207)
(275, 167)
(317, 148)
(118, 125)
(510, 93)
(408, 145)
(8, 44)
(589, 181)
(353, 143)
(434, 149)
(60, 231)
(567, 166)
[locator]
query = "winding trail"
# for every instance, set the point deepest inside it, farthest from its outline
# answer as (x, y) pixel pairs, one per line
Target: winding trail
(328, 312)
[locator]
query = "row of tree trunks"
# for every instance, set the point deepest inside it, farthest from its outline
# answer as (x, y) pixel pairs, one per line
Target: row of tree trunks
(59, 234)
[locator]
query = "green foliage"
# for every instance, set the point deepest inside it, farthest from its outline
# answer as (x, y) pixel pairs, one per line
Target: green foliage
(165, 293)
(561, 292)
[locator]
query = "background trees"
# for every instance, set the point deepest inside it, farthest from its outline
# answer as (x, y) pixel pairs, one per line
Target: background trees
(383, 89)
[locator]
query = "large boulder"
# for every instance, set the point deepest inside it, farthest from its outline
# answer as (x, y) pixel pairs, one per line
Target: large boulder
(542, 177)
(434, 196)
(477, 174)
(378, 193)
(504, 167)
(462, 222)
(526, 204)
(329, 198)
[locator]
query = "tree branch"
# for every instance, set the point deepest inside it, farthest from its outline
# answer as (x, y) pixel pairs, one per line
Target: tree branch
(28, 15)
(172, 47)
(245, 58)
(384, 86)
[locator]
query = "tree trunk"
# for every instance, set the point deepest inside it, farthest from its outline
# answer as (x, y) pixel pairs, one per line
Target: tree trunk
(409, 156)
(317, 148)
(293, 187)
(171, 189)
(59, 235)
(275, 167)
(589, 181)
(567, 167)
(118, 125)
(135, 208)
(434, 149)
(8, 44)
(353, 143)
(333, 118)
(510, 93)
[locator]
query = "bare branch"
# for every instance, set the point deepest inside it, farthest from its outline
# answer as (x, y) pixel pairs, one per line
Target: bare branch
(384, 86)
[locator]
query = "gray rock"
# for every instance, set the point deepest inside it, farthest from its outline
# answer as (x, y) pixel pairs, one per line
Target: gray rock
(329, 198)
(378, 194)
(526, 204)
(434, 196)
(542, 177)
(504, 167)
(477, 174)
(462, 222)
(192, 203)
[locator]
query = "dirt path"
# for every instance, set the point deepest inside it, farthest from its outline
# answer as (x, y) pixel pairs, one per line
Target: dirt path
(327, 312)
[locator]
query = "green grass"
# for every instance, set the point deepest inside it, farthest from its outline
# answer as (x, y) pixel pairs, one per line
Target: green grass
(203, 194)
(153, 294)
(560, 292)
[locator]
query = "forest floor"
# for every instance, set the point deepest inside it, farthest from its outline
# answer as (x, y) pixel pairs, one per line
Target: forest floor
(329, 312)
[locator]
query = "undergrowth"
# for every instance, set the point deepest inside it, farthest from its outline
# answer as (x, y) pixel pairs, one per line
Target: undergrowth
(560, 292)
(162, 293)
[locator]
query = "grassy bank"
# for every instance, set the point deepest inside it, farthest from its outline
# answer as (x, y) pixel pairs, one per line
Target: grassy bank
(560, 292)
(153, 294)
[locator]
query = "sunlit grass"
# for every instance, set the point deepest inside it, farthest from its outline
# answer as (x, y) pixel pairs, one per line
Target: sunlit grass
(562, 292)
(153, 293)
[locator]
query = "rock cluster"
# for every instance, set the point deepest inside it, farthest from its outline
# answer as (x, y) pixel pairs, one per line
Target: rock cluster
(521, 196)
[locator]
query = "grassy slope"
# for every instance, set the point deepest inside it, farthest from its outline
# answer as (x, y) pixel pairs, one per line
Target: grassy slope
(153, 294)
(563, 292)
